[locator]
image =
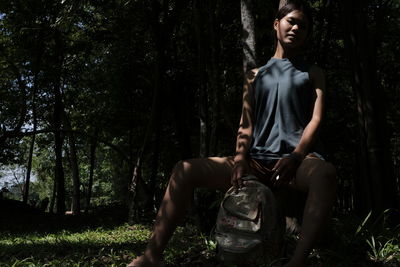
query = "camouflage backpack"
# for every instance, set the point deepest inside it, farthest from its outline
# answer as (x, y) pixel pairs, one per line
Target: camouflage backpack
(249, 229)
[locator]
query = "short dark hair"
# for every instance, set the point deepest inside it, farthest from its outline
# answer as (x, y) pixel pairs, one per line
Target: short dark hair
(292, 6)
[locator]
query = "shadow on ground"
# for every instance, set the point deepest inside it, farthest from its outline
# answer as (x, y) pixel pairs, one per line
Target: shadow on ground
(17, 217)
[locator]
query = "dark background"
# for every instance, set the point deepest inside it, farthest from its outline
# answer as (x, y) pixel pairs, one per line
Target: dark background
(99, 97)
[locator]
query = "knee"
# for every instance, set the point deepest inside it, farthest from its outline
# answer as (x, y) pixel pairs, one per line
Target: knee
(181, 170)
(178, 166)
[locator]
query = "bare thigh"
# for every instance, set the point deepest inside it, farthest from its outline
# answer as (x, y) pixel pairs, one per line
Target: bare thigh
(313, 170)
(213, 172)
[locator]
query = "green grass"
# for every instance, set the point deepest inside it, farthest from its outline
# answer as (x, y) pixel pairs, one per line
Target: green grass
(351, 241)
(97, 247)
(94, 247)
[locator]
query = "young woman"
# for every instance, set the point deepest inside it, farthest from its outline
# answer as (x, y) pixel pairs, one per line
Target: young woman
(283, 104)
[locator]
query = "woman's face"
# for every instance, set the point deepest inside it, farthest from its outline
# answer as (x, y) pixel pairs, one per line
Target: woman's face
(292, 29)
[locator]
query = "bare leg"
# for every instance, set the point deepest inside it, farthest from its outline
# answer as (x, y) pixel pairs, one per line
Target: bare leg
(187, 175)
(318, 178)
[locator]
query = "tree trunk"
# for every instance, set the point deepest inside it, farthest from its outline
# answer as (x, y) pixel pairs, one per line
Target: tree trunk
(76, 209)
(59, 174)
(154, 170)
(25, 195)
(93, 145)
(248, 37)
(53, 197)
(154, 110)
(32, 144)
(202, 77)
(213, 75)
(57, 116)
(375, 184)
(162, 30)
(36, 69)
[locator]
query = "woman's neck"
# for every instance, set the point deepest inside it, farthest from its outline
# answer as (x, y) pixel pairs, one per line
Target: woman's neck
(280, 52)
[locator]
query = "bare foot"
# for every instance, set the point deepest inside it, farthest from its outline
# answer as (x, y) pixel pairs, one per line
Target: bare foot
(144, 261)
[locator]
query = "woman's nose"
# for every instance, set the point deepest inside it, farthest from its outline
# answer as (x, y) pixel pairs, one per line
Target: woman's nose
(295, 27)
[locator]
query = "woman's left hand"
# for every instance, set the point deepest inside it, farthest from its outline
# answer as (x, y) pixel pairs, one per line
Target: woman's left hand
(285, 171)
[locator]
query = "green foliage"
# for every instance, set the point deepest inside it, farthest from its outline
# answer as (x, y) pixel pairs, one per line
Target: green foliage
(386, 253)
(108, 76)
(115, 246)
(367, 242)
(110, 60)
(383, 240)
(350, 241)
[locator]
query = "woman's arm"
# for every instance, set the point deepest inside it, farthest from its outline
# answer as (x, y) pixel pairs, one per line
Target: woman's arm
(245, 132)
(286, 167)
(310, 132)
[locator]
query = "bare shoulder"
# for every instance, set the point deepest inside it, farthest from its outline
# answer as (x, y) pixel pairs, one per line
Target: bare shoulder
(251, 75)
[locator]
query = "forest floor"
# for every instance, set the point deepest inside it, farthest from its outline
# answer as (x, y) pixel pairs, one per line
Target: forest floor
(105, 239)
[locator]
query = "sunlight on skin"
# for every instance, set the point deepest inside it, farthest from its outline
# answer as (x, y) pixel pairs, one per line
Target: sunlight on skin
(314, 176)
(207, 173)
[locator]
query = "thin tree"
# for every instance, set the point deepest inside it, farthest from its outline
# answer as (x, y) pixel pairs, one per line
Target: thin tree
(199, 15)
(248, 37)
(375, 187)
(57, 121)
(35, 121)
(93, 145)
(74, 164)
(136, 176)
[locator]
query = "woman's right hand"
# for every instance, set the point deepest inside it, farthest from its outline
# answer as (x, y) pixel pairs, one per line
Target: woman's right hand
(240, 168)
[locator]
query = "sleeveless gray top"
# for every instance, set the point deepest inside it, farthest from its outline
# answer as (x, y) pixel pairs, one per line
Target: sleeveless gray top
(283, 106)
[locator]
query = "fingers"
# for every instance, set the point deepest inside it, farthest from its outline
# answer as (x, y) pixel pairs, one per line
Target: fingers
(234, 181)
(276, 169)
(240, 182)
(283, 173)
(235, 185)
(238, 172)
(237, 181)
(275, 177)
(277, 165)
(283, 178)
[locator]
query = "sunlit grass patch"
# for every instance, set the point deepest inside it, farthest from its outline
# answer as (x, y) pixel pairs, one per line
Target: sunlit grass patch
(98, 247)
(351, 240)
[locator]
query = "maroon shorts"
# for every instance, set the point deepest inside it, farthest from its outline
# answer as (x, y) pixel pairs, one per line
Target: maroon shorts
(262, 170)
(294, 200)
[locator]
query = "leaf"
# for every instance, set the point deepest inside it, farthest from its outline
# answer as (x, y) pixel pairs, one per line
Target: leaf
(360, 227)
